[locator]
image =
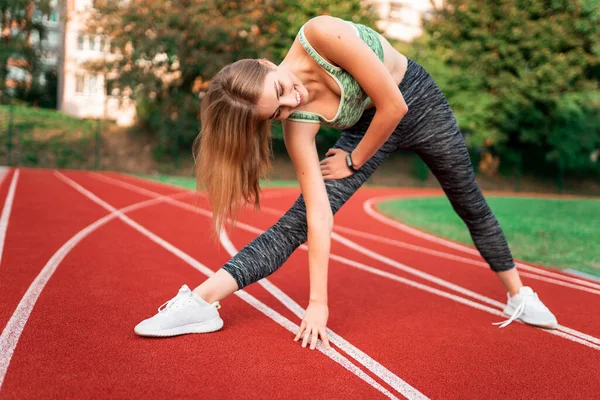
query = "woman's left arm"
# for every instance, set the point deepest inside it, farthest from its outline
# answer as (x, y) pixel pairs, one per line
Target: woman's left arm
(337, 41)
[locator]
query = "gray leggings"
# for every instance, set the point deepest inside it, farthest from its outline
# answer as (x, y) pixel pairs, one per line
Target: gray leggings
(430, 130)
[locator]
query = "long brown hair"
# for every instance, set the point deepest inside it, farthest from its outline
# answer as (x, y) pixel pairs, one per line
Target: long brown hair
(233, 149)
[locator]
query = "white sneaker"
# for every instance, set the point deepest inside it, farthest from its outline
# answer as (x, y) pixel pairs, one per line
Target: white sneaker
(527, 307)
(185, 313)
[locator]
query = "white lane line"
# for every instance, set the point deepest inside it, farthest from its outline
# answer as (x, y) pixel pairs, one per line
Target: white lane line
(466, 292)
(582, 274)
(6, 210)
(365, 360)
(369, 208)
(410, 392)
(435, 279)
(426, 250)
(567, 333)
(448, 256)
(564, 332)
(13, 329)
(441, 254)
(332, 353)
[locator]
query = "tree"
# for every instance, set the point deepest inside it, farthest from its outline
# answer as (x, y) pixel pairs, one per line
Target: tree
(18, 24)
(529, 70)
(283, 20)
(171, 49)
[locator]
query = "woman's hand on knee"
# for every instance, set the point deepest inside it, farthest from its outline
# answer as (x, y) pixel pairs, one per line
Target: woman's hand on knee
(314, 324)
(334, 166)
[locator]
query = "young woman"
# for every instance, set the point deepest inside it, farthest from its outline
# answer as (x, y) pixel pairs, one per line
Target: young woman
(347, 76)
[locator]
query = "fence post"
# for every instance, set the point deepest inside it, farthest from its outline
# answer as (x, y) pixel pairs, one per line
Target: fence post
(598, 176)
(97, 145)
(9, 144)
(560, 178)
(175, 144)
(518, 172)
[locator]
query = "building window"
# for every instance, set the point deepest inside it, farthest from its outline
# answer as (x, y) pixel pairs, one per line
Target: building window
(51, 18)
(87, 84)
(52, 39)
(79, 83)
(93, 84)
(99, 43)
(80, 41)
(37, 15)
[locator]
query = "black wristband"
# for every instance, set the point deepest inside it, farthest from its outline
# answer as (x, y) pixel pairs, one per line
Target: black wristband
(350, 163)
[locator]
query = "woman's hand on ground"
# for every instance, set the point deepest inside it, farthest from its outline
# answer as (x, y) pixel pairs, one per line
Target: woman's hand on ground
(334, 166)
(314, 324)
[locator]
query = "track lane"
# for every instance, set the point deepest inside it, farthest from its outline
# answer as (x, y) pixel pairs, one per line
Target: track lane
(44, 215)
(493, 283)
(499, 304)
(504, 342)
(350, 319)
(190, 246)
(450, 338)
(476, 278)
(104, 290)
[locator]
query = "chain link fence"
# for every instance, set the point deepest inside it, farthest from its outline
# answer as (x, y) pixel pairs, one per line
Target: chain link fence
(35, 137)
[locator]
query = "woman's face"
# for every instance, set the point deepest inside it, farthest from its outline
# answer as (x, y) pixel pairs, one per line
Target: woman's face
(282, 93)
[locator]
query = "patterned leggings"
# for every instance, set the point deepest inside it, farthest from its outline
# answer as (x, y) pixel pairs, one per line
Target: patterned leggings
(430, 130)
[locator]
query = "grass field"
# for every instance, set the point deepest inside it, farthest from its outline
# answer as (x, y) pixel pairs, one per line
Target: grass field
(190, 182)
(555, 233)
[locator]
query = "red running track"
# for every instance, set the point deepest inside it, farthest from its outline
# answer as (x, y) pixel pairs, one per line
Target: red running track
(415, 316)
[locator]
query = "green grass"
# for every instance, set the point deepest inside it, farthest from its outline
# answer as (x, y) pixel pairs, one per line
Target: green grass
(190, 182)
(45, 121)
(554, 233)
(42, 137)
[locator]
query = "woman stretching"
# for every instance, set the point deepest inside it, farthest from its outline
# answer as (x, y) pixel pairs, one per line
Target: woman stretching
(347, 76)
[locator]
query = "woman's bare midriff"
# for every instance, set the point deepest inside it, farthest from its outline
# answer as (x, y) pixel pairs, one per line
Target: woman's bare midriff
(394, 61)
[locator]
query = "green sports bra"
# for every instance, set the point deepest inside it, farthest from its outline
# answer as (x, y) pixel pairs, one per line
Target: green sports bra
(353, 99)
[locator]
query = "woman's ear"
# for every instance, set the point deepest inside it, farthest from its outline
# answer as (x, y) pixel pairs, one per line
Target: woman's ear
(266, 62)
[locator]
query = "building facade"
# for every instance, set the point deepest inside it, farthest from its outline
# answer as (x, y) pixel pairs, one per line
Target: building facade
(82, 93)
(17, 71)
(403, 19)
(50, 45)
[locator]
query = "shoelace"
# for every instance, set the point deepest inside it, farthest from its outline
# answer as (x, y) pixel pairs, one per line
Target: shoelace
(518, 311)
(515, 315)
(169, 303)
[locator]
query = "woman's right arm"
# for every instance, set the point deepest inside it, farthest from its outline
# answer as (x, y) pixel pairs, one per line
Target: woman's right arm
(299, 140)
